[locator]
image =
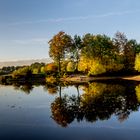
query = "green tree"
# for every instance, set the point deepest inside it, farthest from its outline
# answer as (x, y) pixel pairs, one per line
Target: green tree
(36, 67)
(42, 70)
(25, 71)
(99, 55)
(35, 71)
(137, 49)
(76, 49)
(126, 48)
(96, 46)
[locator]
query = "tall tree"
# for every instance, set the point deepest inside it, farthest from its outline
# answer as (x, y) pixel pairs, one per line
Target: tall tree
(76, 49)
(60, 46)
(100, 54)
(96, 46)
(127, 49)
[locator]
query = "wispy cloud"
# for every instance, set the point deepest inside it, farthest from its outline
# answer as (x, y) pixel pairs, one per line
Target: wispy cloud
(55, 20)
(31, 41)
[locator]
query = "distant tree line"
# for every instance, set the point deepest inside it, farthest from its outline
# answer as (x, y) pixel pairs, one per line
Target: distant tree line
(36, 72)
(35, 68)
(8, 69)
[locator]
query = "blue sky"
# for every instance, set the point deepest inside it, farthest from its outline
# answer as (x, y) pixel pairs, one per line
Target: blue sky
(26, 26)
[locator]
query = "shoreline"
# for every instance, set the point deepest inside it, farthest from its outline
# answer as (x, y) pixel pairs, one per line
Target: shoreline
(70, 78)
(88, 79)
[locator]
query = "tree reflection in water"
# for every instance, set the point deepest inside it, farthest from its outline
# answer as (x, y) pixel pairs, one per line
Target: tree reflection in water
(138, 92)
(99, 101)
(51, 89)
(26, 88)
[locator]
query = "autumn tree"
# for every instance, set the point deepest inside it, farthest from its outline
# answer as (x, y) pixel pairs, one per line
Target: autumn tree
(60, 46)
(50, 68)
(137, 62)
(94, 54)
(127, 49)
(91, 52)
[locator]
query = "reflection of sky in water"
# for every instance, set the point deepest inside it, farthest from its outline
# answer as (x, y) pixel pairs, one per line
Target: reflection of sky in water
(28, 116)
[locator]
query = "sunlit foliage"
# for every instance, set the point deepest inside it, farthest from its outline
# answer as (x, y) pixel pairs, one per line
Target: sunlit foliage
(51, 67)
(71, 66)
(60, 44)
(51, 89)
(137, 62)
(35, 71)
(25, 71)
(42, 70)
(36, 67)
(64, 66)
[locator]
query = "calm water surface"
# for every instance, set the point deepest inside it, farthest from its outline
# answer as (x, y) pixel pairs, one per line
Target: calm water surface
(93, 111)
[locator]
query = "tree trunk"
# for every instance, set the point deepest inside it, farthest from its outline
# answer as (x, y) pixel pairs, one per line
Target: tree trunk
(59, 66)
(60, 92)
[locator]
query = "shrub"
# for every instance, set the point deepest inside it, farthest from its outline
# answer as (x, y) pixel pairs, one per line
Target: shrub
(71, 67)
(51, 67)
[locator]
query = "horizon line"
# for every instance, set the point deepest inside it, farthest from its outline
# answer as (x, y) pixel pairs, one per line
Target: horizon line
(28, 59)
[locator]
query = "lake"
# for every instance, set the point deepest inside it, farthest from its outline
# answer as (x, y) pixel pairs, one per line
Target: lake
(88, 111)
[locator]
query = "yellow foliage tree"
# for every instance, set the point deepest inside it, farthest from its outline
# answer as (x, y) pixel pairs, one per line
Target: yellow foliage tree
(60, 44)
(71, 67)
(96, 67)
(137, 62)
(91, 66)
(51, 67)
